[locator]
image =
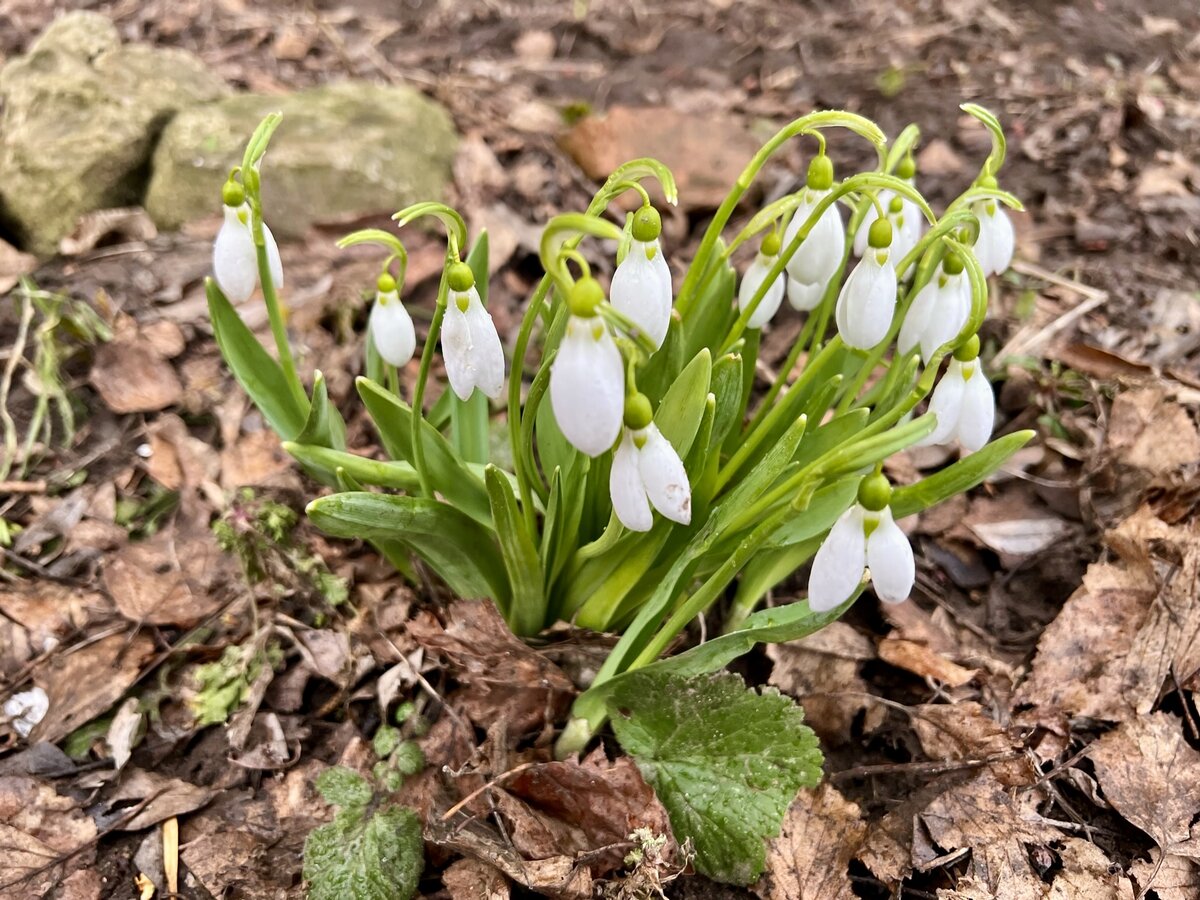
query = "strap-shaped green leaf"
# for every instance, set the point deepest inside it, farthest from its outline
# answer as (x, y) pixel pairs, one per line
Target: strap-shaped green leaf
(528, 610)
(324, 428)
(682, 407)
(458, 548)
(449, 477)
(255, 370)
(957, 477)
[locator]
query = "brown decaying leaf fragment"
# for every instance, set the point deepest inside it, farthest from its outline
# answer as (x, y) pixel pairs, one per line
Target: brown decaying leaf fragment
(810, 859)
(38, 828)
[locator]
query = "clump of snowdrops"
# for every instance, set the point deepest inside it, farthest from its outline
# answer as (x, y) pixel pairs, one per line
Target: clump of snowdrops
(615, 463)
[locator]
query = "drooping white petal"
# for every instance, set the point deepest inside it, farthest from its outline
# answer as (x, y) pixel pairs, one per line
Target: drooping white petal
(804, 297)
(950, 315)
(977, 414)
(907, 229)
(862, 235)
(587, 386)
(640, 292)
(890, 558)
(837, 568)
(235, 263)
(946, 404)
(819, 256)
(765, 311)
(488, 355)
(392, 329)
(625, 487)
(867, 302)
(456, 351)
(916, 320)
(1003, 241)
(274, 263)
(664, 477)
(26, 709)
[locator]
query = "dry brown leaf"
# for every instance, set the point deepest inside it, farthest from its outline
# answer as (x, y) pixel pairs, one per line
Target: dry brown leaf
(600, 802)
(703, 168)
(13, 264)
(43, 836)
(177, 459)
(507, 680)
(822, 672)
(1087, 874)
(1152, 777)
(166, 579)
(810, 859)
(995, 826)
(962, 731)
(1147, 431)
(84, 683)
(470, 879)
(155, 798)
(922, 661)
(256, 459)
(1175, 878)
(130, 376)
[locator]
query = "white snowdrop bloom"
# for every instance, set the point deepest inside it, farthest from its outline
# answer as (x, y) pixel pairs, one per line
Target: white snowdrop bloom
(804, 297)
(964, 406)
(867, 301)
(996, 242)
(938, 313)
(641, 286)
(391, 326)
(587, 378)
(860, 539)
(767, 256)
(647, 472)
(864, 229)
(819, 256)
(470, 345)
(641, 289)
(26, 709)
(235, 260)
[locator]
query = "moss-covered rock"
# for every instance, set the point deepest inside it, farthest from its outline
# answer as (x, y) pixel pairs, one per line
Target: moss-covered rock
(81, 116)
(344, 148)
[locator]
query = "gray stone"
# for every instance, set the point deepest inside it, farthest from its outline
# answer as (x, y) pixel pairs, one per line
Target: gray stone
(343, 149)
(81, 117)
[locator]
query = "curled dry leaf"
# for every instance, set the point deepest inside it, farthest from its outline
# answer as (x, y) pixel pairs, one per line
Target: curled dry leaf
(508, 680)
(924, 662)
(1171, 877)
(144, 798)
(821, 834)
(822, 672)
(600, 802)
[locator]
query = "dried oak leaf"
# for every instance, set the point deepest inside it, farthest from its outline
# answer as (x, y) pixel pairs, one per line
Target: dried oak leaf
(601, 802)
(166, 579)
(84, 683)
(1123, 632)
(962, 731)
(1149, 432)
(1171, 877)
(1088, 873)
(1152, 777)
(506, 679)
(155, 798)
(43, 836)
(981, 815)
(470, 879)
(822, 672)
(821, 834)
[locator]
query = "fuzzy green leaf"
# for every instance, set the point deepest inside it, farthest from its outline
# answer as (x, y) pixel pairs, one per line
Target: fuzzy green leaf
(726, 762)
(344, 787)
(359, 858)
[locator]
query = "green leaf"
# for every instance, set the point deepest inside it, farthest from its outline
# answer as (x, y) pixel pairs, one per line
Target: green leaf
(958, 477)
(459, 549)
(344, 787)
(260, 376)
(449, 477)
(724, 760)
(682, 407)
(527, 612)
(727, 389)
(708, 321)
(324, 428)
(360, 858)
(822, 511)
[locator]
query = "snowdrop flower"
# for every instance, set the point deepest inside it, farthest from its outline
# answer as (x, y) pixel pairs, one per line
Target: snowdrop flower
(646, 471)
(963, 402)
(587, 378)
(235, 259)
(820, 254)
(26, 709)
(753, 279)
(867, 301)
(390, 325)
(996, 242)
(641, 285)
(867, 536)
(470, 345)
(939, 312)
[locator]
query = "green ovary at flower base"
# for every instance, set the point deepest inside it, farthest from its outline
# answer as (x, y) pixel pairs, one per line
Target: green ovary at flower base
(647, 484)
